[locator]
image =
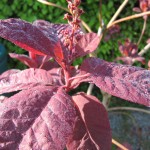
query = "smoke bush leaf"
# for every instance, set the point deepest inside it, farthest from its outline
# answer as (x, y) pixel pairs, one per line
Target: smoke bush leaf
(24, 59)
(36, 119)
(90, 132)
(87, 44)
(24, 80)
(124, 81)
(27, 36)
(48, 29)
(62, 53)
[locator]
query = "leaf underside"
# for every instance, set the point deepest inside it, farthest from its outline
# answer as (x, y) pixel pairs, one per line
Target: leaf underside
(92, 129)
(24, 59)
(36, 119)
(124, 81)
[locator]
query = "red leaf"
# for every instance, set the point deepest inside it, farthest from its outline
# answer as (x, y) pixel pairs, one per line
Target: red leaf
(92, 129)
(87, 44)
(50, 65)
(127, 82)
(24, 80)
(8, 72)
(24, 59)
(60, 52)
(39, 118)
(27, 36)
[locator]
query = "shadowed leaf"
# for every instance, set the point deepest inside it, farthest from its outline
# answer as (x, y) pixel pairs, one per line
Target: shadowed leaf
(36, 119)
(92, 129)
(24, 59)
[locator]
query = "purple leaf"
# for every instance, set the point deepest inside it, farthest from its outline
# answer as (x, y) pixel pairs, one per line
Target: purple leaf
(8, 72)
(24, 59)
(92, 129)
(124, 81)
(87, 44)
(24, 80)
(60, 51)
(50, 65)
(27, 36)
(56, 74)
(39, 118)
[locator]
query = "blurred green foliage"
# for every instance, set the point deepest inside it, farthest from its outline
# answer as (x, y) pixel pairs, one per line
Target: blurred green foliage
(30, 10)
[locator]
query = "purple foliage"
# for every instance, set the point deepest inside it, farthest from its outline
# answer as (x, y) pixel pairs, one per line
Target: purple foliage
(42, 115)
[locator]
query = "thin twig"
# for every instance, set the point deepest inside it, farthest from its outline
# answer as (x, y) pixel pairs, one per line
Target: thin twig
(117, 12)
(143, 31)
(129, 18)
(119, 145)
(129, 108)
(144, 50)
(63, 8)
(91, 85)
(106, 99)
(53, 4)
(90, 88)
(86, 26)
(127, 114)
(100, 13)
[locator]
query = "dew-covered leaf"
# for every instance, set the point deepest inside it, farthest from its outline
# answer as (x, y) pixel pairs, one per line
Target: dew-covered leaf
(60, 52)
(92, 129)
(39, 118)
(87, 44)
(8, 72)
(124, 81)
(24, 80)
(24, 59)
(27, 36)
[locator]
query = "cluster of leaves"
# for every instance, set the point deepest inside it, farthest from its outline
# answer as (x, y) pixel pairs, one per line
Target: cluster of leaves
(43, 115)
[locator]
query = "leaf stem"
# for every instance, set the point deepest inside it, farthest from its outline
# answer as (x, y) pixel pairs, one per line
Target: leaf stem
(143, 31)
(117, 13)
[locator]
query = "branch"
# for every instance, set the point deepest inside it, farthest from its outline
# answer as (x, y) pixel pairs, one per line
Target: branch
(119, 145)
(144, 50)
(129, 108)
(129, 18)
(117, 12)
(143, 31)
(53, 4)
